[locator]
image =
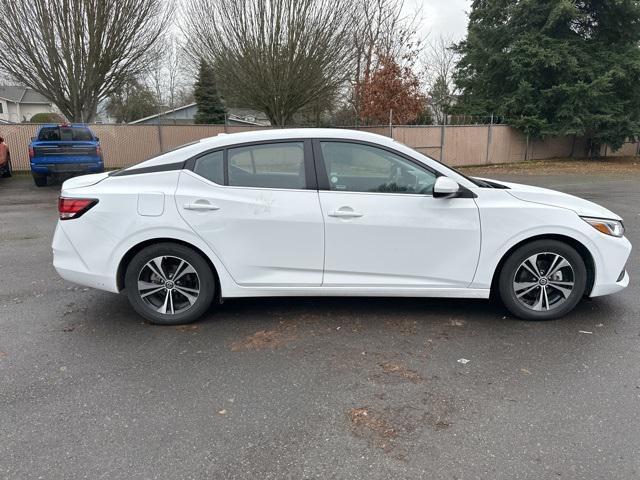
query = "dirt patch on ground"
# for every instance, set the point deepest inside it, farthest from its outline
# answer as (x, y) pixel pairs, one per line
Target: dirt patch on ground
(394, 428)
(609, 165)
(402, 325)
(187, 328)
(400, 370)
(372, 426)
(263, 340)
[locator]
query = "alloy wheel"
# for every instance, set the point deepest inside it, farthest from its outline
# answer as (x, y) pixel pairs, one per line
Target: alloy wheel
(168, 285)
(544, 281)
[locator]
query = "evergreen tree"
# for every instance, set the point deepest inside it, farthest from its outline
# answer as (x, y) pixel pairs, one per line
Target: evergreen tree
(210, 106)
(555, 67)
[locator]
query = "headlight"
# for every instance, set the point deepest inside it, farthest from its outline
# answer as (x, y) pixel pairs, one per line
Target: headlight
(615, 228)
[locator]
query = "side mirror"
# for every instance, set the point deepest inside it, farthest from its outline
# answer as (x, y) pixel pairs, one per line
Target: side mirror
(97, 139)
(445, 187)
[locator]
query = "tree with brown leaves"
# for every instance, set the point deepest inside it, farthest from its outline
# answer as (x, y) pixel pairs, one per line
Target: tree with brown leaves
(393, 92)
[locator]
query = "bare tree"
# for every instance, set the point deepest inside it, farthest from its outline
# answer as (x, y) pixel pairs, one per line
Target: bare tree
(78, 52)
(440, 64)
(277, 56)
(167, 77)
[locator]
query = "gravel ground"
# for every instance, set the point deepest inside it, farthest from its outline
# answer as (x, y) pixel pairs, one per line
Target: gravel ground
(312, 388)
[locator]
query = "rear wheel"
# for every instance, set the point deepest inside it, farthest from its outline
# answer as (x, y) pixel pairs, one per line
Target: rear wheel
(40, 179)
(169, 284)
(543, 280)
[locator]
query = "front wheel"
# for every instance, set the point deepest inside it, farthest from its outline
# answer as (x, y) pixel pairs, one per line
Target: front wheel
(543, 280)
(40, 179)
(169, 284)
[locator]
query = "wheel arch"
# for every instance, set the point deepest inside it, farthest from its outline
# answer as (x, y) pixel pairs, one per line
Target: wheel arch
(126, 259)
(580, 248)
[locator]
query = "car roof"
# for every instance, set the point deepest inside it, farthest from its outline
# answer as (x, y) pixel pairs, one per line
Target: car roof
(226, 140)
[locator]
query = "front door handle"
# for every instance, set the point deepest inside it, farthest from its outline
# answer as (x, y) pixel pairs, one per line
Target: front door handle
(346, 212)
(201, 206)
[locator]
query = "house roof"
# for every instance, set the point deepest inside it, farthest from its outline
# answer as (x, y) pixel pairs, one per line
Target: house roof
(240, 115)
(162, 114)
(13, 93)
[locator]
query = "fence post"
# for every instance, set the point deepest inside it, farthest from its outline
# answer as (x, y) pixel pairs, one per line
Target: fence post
(486, 160)
(442, 133)
(160, 136)
(391, 123)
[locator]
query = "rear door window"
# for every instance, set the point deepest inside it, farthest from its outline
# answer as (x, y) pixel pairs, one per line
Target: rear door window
(273, 165)
(211, 167)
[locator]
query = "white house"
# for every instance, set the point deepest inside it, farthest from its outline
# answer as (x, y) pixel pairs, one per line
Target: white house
(19, 104)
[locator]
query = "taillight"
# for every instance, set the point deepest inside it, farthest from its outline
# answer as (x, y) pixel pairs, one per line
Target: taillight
(31, 152)
(74, 207)
(98, 151)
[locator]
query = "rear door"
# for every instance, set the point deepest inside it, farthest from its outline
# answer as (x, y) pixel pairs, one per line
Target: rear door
(384, 228)
(257, 207)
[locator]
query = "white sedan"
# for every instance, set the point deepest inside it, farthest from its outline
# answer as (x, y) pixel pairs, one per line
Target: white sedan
(308, 212)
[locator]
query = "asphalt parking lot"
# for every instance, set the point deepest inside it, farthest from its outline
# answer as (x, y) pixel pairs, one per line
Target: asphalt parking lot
(311, 388)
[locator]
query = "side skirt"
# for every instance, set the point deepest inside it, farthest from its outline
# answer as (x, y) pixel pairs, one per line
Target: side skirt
(355, 292)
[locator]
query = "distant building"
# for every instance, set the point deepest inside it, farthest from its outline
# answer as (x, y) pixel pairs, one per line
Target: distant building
(19, 104)
(185, 115)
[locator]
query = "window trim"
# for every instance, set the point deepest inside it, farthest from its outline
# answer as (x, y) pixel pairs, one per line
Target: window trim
(309, 164)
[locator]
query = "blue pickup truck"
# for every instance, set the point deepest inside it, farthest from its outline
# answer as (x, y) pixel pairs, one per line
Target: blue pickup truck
(64, 149)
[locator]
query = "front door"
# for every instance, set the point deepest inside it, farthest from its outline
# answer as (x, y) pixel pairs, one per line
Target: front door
(252, 207)
(384, 228)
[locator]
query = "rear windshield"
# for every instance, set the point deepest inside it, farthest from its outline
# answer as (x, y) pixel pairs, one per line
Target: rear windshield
(65, 134)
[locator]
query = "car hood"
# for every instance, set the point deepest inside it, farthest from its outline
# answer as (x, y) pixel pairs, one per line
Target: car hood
(84, 180)
(554, 198)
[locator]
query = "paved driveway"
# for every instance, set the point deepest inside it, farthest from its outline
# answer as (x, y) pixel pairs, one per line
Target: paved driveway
(321, 388)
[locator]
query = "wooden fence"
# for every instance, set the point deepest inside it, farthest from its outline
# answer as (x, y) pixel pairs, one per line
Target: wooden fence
(455, 145)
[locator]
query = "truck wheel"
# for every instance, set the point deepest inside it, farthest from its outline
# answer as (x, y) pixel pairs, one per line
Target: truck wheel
(40, 179)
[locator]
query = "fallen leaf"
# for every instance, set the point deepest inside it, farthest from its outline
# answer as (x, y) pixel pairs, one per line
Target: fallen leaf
(222, 412)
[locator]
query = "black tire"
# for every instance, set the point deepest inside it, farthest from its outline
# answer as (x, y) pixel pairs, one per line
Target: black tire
(8, 170)
(40, 179)
(524, 307)
(172, 254)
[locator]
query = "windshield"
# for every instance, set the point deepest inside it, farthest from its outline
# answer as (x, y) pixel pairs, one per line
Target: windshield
(65, 134)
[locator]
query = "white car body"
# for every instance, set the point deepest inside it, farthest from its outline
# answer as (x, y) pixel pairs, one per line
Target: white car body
(288, 242)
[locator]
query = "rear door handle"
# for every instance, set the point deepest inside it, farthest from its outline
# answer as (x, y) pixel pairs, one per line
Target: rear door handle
(200, 206)
(346, 212)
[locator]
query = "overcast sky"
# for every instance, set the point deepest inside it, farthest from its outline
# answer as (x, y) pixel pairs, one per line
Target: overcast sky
(447, 17)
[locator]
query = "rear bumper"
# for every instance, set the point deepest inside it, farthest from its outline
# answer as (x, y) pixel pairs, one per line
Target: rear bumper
(54, 168)
(70, 265)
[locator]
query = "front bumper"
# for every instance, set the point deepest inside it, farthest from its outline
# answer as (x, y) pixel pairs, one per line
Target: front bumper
(611, 275)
